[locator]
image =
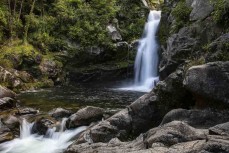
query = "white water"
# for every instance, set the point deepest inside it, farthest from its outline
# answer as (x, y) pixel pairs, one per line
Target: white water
(52, 142)
(146, 62)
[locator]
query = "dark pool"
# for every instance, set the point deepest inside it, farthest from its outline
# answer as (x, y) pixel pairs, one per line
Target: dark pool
(77, 96)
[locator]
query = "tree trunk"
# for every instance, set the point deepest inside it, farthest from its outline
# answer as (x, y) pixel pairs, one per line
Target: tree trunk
(25, 39)
(10, 21)
(19, 14)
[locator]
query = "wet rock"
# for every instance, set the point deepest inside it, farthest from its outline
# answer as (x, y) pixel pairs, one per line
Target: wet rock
(209, 81)
(27, 110)
(85, 116)
(201, 9)
(5, 133)
(42, 125)
(4, 92)
(197, 118)
(60, 113)
(220, 129)
(7, 103)
(12, 122)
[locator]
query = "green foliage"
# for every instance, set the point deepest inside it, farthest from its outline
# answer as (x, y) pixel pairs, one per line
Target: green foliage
(87, 21)
(181, 13)
(131, 18)
(221, 11)
(12, 56)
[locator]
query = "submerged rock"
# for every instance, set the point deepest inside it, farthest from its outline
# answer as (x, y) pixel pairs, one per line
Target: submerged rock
(85, 116)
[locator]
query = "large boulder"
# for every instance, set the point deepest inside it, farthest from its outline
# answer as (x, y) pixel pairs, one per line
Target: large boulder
(201, 9)
(137, 118)
(171, 93)
(173, 133)
(7, 103)
(85, 116)
(209, 82)
(50, 68)
(41, 125)
(220, 129)
(197, 118)
(59, 113)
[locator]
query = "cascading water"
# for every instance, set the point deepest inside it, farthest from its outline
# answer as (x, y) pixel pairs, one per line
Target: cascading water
(146, 62)
(52, 142)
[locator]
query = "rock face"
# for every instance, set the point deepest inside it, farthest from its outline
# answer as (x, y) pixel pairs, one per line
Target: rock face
(209, 81)
(85, 116)
(184, 41)
(201, 9)
(218, 49)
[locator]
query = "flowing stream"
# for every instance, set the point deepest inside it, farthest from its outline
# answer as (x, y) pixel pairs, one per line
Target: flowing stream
(52, 142)
(146, 62)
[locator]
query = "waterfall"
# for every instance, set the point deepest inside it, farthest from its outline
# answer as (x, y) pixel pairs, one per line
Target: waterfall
(146, 62)
(52, 142)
